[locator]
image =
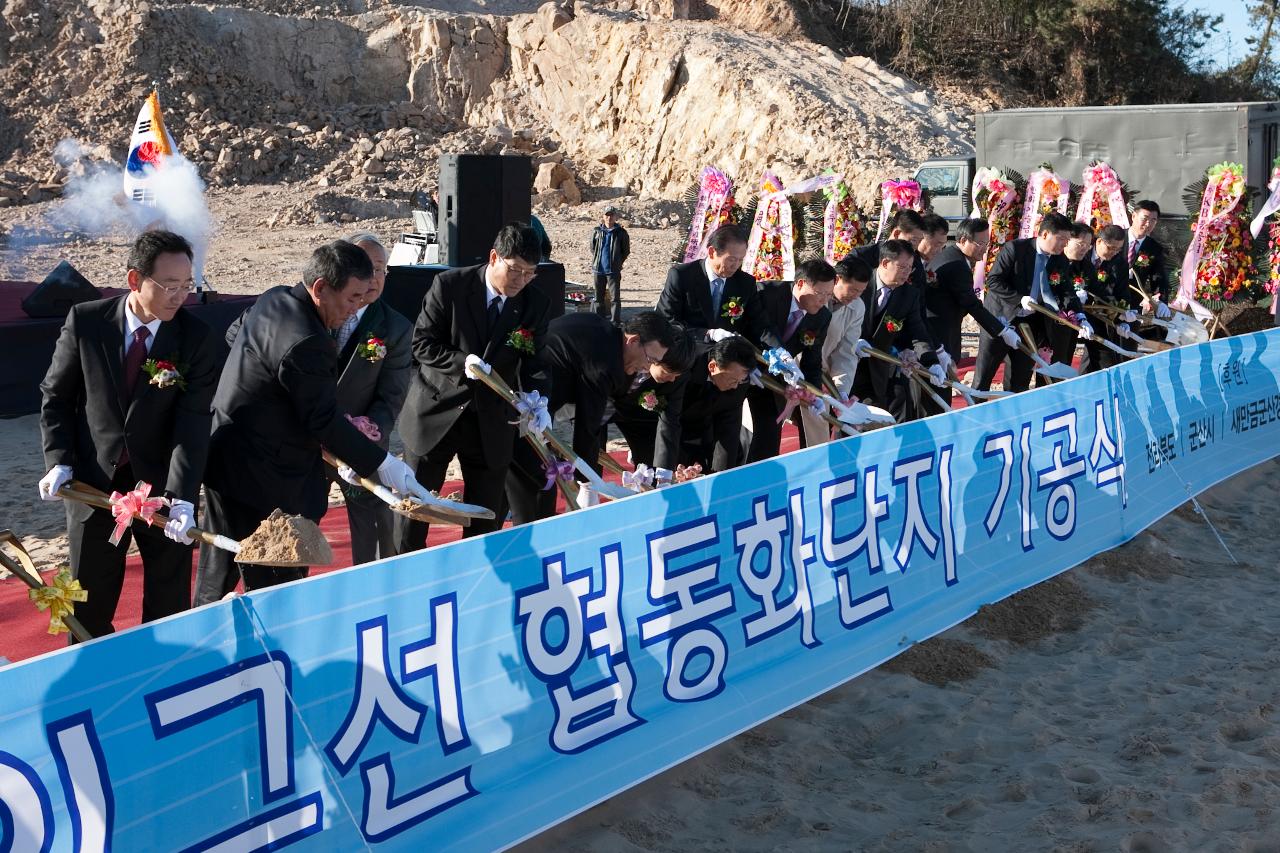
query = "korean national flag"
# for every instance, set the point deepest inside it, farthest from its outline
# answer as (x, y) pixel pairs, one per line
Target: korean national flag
(149, 148)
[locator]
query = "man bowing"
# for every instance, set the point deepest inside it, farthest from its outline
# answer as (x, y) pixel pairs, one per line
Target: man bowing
(275, 409)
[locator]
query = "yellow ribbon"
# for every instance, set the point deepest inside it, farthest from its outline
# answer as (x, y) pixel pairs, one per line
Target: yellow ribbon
(58, 599)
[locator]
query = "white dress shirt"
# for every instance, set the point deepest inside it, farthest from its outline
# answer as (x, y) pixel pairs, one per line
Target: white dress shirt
(132, 324)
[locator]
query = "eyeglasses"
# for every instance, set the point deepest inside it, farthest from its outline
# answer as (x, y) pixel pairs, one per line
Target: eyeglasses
(523, 272)
(652, 359)
(175, 290)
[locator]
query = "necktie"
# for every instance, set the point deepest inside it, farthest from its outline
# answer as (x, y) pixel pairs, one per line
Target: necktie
(346, 331)
(882, 297)
(1044, 290)
(717, 289)
(133, 360)
(1133, 250)
(495, 308)
(793, 323)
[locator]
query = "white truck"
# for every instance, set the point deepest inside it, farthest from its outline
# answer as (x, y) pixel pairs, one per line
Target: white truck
(1156, 150)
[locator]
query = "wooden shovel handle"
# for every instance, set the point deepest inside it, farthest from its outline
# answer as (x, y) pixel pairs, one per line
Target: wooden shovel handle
(86, 494)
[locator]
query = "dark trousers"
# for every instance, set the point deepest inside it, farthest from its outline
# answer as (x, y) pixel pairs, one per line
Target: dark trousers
(766, 432)
(525, 494)
(372, 526)
(99, 565)
(482, 481)
(612, 310)
(641, 435)
(218, 572)
(1063, 343)
(992, 351)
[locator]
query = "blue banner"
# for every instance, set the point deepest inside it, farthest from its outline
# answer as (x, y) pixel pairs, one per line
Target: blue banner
(469, 696)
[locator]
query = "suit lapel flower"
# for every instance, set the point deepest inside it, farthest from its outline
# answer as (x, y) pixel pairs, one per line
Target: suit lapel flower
(732, 308)
(931, 278)
(374, 349)
(808, 338)
(521, 340)
(164, 373)
(1142, 261)
(891, 324)
(650, 401)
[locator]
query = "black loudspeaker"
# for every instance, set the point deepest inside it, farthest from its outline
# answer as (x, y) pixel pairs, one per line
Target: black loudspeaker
(61, 289)
(550, 280)
(480, 193)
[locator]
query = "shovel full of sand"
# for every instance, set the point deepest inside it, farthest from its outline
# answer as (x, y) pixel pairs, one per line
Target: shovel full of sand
(280, 540)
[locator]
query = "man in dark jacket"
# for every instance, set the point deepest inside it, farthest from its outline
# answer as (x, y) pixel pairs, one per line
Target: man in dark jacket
(126, 399)
(482, 318)
(374, 364)
(713, 298)
(649, 414)
(1145, 256)
(711, 418)
(276, 408)
(610, 247)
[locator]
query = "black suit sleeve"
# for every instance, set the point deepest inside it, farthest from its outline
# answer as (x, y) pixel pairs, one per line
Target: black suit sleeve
(393, 379)
(193, 413)
(63, 391)
(671, 303)
(957, 280)
(918, 330)
(1002, 277)
(666, 445)
(588, 415)
(433, 340)
(1159, 275)
(535, 375)
(306, 375)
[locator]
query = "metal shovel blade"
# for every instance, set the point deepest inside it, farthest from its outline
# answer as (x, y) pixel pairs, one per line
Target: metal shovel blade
(1056, 370)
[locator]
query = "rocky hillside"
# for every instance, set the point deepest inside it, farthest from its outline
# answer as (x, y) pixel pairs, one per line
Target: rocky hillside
(626, 97)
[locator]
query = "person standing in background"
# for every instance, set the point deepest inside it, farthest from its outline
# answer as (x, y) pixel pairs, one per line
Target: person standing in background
(610, 247)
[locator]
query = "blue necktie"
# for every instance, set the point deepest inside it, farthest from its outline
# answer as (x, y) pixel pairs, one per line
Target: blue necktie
(717, 288)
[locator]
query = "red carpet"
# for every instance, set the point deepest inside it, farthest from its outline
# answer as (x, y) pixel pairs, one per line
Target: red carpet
(25, 629)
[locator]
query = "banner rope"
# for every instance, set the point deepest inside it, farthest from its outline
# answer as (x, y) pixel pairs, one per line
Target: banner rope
(261, 636)
(1186, 487)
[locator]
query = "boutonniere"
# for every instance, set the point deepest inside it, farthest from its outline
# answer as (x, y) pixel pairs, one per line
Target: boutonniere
(732, 308)
(650, 401)
(521, 340)
(164, 373)
(1143, 260)
(1078, 282)
(809, 338)
(1054, 278)
(1102, 276)
(931, 277)
(374, 349)
(892, 324)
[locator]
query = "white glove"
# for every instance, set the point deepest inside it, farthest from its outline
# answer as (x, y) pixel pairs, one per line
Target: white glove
(1129, 317)
(1083, 296)
(398, 477)
(181, 519)
(862, 348)
(944, 360)
(1010, 337)
(754, 377)
(1122, 329)
(349, 475)
(1028, 306)
(1162, 311)
(714, 335)
(1086, 331)
(474, 366)
(58, 476)
(937, 376)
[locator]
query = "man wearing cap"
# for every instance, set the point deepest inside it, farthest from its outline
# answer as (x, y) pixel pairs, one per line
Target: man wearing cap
(610, 246)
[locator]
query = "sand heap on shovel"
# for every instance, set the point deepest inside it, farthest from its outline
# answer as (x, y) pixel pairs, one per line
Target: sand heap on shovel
(286, 540)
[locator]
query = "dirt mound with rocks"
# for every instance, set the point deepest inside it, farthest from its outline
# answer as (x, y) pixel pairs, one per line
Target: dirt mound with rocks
(621, 98)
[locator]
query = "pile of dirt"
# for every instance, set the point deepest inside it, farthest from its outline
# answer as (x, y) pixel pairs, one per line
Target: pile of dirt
(286, 540)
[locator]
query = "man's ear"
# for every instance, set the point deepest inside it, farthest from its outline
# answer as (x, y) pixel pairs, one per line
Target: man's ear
(135, 280)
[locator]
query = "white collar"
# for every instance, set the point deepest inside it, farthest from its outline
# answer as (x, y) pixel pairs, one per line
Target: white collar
(491, 292)
(359, 315)
(132, 323)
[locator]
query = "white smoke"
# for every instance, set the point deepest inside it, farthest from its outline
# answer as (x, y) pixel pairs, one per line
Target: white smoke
(95, 205)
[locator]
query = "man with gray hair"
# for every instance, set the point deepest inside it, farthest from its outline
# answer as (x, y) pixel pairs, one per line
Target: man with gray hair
(374, 363)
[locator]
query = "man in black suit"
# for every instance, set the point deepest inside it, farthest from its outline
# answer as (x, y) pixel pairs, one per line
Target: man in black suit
(275, 409)
(374, 363)
(895, 320)
(1145, 256)
(1108, 279)
(591, 361)
(713, 298)
(481, 318)
(1034, 267)
(711, 420)
(796, 319)
(649, 415)
(126, 399)
(906, 226)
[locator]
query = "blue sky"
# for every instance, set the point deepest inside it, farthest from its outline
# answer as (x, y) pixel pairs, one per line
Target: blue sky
(1228, 46)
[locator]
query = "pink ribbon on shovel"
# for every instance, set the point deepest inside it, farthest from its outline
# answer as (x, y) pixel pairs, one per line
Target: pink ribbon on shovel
(137, 503)
(796, 396)
(556, 471)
